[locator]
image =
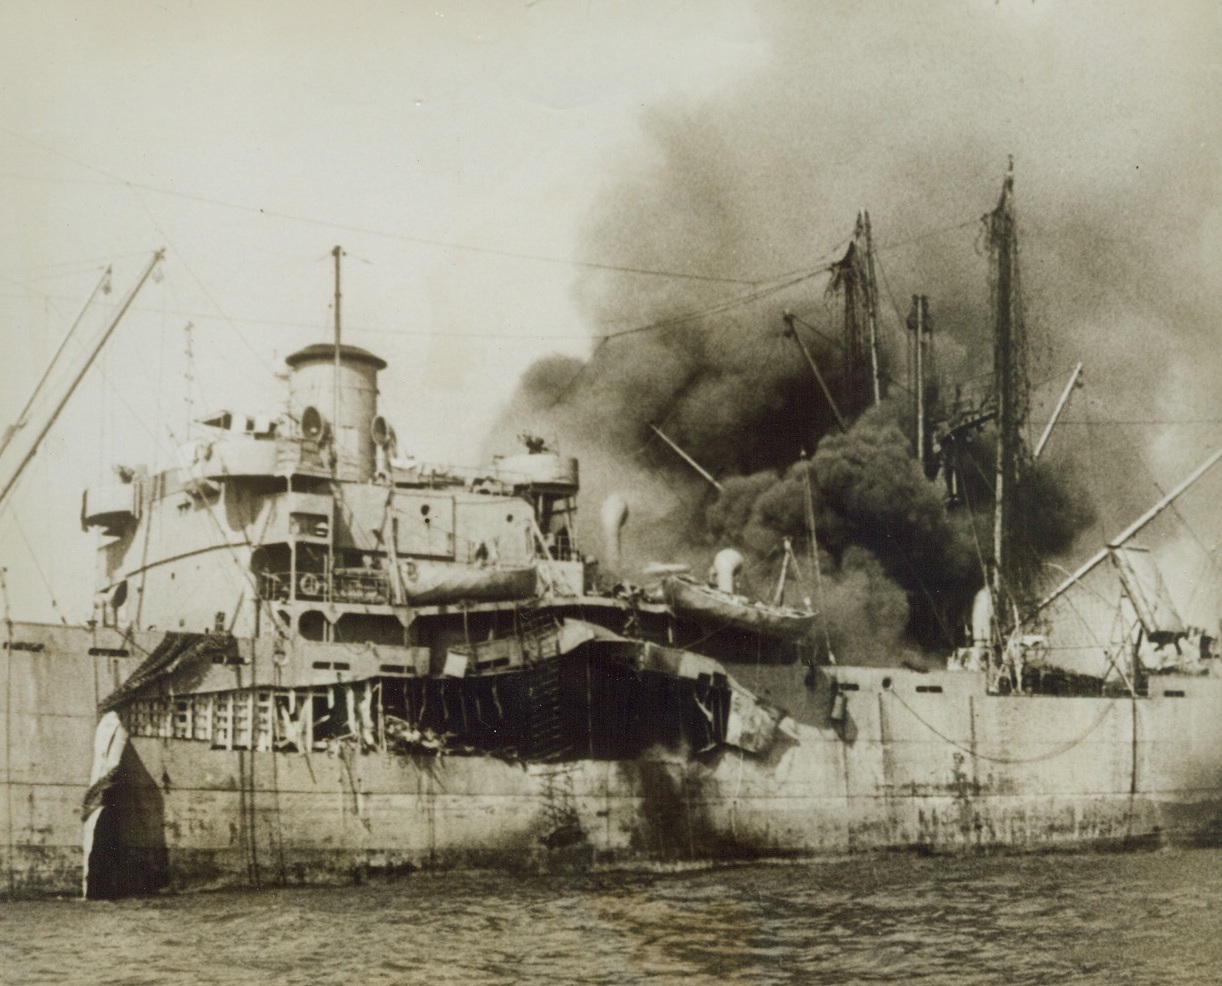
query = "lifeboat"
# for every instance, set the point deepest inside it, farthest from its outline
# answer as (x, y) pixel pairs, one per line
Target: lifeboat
(689, 598)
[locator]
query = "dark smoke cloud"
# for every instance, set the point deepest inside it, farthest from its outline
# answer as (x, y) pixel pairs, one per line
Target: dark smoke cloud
(871, 500)
(912, 115)
(864, 613)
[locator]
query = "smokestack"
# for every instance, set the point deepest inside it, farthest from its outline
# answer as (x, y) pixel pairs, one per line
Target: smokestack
(312, 388)
(614, 515)
(726, 565)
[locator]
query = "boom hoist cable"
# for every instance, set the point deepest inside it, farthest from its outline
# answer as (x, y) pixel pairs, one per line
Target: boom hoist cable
(11, 481)
(102, 286)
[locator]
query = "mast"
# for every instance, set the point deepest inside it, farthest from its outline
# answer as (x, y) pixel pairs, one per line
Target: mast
(854, 275)
(336, 253)
(54, 416)
(918, 324)
(1009, 378)
(921, 304)
(871, 296)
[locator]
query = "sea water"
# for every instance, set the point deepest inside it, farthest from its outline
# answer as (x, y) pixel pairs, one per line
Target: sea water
(1069, 920)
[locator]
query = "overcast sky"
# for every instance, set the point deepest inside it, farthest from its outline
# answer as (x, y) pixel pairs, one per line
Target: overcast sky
(249, 138)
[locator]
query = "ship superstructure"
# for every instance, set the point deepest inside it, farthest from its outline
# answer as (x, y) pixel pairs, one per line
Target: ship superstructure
(331, 535)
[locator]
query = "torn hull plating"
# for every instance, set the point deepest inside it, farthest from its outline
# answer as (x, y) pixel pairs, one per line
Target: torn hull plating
(945, 768)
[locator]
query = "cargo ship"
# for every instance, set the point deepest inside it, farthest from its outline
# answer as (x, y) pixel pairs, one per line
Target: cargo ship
(317, 660)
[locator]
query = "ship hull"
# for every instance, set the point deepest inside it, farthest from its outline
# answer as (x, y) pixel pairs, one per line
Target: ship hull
(929, 762)
(51, 680)
(950, 771)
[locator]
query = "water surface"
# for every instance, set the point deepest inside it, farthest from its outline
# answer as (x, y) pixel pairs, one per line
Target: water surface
(1070, 920)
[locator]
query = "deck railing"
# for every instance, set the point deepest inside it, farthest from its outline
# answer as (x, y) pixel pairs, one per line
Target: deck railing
(346, 585)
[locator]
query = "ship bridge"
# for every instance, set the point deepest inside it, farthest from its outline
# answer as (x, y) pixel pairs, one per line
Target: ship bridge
(311, 521)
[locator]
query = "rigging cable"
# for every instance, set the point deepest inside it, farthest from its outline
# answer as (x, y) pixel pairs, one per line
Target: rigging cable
(8, 732)
(938, 231)
(388, 234)
(832, 340)
(1208, 555)
(38, 568)
(103, 286)
(158, 443)
(720, 307)
(994, 619)
(814, 554)
(203, 287)
(677, 320)
(1049, 755)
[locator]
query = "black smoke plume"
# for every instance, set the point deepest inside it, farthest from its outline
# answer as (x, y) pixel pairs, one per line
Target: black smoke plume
(765, 182)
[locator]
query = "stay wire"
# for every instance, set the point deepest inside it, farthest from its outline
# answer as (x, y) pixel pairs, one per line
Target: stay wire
(832, 340)
(718, 308)
(42, 576)
(203, 287)
(387, 234)
(356, 329)
(939, 231)
(1210, 560)
(48, 299)
(677, 320)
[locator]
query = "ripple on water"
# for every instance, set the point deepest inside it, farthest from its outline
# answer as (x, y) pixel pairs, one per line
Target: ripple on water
(1086, 920)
